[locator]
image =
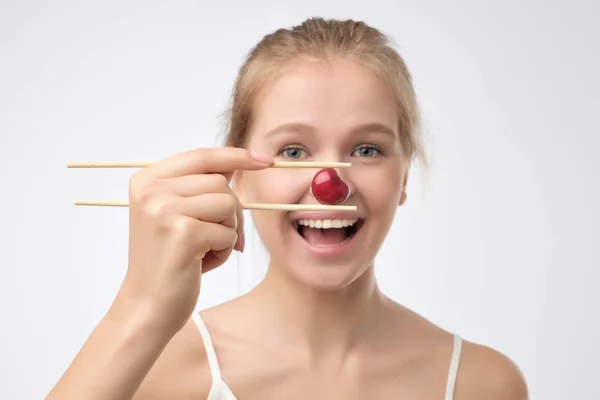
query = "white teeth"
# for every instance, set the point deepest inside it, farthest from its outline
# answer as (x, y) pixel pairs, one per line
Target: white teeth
(327, 223)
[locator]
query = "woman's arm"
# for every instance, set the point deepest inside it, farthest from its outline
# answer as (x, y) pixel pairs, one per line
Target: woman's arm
(114, 360)
(177, 231)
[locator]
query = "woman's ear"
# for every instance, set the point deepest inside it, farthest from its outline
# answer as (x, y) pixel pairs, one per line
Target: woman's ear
(402, 198)
(403, 195)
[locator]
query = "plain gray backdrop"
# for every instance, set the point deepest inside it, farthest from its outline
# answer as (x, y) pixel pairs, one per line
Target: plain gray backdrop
(498, 243)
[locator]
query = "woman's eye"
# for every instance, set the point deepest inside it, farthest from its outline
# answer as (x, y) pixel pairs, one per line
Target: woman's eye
(292, 152)
(367, 151)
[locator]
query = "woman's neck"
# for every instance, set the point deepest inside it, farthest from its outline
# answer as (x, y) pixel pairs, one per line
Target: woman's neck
(322, 324)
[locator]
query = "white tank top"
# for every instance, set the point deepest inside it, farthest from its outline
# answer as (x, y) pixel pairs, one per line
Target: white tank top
(220, 391)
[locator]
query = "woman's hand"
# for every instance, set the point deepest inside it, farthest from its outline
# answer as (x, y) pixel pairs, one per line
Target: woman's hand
(184, 220)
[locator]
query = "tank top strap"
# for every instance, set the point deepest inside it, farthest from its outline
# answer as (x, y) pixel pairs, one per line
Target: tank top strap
(453, 369)
(213, 362)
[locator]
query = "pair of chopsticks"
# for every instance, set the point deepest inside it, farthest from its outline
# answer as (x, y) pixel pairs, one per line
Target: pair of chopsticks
(247, 206)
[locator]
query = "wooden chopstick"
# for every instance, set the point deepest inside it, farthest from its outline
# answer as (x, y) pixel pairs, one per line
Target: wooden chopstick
(141, 164)
(247, 206)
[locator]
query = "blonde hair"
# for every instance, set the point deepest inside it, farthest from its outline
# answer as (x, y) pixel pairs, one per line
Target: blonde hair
(323, 39)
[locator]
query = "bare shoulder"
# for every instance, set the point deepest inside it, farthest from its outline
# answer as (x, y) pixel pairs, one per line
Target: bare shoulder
(181, 371)
(485, 373)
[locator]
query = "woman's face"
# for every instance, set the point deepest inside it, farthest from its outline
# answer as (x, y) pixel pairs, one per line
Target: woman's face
(334, 111)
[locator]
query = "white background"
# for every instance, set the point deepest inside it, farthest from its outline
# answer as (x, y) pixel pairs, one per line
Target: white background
(499, 243)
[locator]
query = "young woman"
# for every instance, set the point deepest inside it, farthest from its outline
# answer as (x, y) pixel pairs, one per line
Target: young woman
(317, 327)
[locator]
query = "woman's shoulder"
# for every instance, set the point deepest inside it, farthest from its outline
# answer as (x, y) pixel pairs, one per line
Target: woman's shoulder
(487, 373)
(182, 369)
(482, 372)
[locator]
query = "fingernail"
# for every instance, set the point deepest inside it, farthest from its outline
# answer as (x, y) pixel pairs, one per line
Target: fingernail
(242, 242)
(262, 157)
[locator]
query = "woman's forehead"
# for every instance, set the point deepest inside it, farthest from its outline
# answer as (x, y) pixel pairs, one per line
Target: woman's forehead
(312, 96)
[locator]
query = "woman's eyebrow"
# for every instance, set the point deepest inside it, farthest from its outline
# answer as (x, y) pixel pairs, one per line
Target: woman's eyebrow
(292, 127)
(374, 127)
(297, 127)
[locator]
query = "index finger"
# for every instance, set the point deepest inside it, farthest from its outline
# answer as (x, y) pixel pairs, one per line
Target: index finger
(223, 160)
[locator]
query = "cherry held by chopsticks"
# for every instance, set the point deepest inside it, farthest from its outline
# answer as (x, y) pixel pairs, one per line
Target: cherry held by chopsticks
(329, 188)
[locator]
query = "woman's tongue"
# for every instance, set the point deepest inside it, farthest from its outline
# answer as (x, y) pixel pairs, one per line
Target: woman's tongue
(324, 237)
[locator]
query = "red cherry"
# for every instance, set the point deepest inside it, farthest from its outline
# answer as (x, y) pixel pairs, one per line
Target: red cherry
(328, 187)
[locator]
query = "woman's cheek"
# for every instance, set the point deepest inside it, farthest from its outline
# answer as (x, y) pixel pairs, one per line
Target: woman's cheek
(376, 184)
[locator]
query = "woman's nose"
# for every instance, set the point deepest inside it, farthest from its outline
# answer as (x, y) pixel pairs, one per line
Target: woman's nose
(341, 174)
(329, 186)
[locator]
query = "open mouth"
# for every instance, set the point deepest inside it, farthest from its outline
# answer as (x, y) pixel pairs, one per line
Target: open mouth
(327, 232)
